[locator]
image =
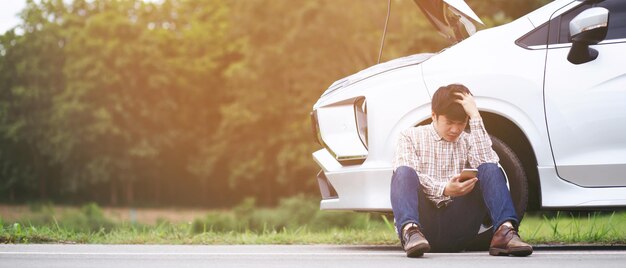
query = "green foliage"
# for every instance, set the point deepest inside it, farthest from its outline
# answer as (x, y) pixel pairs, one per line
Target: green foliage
(44, 213)
(44, 207)
(90, 218)
(298, 211)
(88, 225)
(186, 102)
(591, 227)
(216, 222)
(293, 213)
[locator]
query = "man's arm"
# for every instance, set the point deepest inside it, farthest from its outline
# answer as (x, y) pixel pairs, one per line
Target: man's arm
(480, 150)
(406, 154)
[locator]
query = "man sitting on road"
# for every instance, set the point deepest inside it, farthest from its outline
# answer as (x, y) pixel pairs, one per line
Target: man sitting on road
(427, 197)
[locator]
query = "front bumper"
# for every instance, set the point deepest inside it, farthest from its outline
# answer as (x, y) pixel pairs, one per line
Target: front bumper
(354, 187)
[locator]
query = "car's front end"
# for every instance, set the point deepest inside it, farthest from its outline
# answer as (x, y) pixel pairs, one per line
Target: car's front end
(358, 118)
(354, 121)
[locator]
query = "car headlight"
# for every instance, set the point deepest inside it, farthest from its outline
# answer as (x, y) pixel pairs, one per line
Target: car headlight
(341, 128)
(360, 114)
(315, 128)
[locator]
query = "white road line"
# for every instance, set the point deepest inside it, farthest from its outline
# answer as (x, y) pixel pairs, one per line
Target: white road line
(206, 253)
(580, 252)
(286, 253)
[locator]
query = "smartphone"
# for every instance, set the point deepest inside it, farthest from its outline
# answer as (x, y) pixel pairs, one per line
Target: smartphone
(468, 173)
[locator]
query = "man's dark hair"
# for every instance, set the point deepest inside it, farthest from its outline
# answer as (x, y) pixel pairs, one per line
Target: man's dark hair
(443, 102)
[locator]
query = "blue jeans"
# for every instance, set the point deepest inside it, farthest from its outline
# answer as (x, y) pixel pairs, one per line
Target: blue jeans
(451, 228)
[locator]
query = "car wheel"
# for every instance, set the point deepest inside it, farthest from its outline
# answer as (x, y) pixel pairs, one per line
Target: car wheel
(518, 186)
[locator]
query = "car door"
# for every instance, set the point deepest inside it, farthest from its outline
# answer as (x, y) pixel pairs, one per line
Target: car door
(585, 104)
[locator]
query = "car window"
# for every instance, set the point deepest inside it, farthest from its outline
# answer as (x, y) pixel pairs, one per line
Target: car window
(617, 18)
(559, 26)
(559, 30)
(539, 36)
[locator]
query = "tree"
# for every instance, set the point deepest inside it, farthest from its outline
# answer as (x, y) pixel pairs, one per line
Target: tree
(31, 76)
(186, 102)
(142, 86)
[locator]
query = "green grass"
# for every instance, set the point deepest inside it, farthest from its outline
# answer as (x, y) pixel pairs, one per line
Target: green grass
(295, 220)
(571, 228)
(181, 234)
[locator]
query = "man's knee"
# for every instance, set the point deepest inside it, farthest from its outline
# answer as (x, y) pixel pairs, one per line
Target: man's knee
(490, 171)
(404, 176)
(405, 172)
(488, 167)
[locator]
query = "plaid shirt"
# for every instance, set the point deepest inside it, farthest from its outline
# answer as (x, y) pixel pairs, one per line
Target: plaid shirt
(437, 160)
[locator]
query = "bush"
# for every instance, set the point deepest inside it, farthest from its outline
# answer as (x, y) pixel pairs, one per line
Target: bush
(297, 211)
(45, 207)
(89, 218)
(292, 213)
(44, 214)
(215, 222)
(337, 219)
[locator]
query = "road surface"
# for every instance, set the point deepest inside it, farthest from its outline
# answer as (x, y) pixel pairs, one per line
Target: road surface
(119, 256)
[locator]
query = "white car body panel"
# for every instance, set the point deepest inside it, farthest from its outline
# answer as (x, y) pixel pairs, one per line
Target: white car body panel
(515, 92)
(506, 80)
(588, 141)
(562, 194)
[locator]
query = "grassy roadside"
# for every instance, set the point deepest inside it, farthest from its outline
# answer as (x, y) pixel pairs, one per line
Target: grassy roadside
(180, 235)
(607, 228)
(295, 221)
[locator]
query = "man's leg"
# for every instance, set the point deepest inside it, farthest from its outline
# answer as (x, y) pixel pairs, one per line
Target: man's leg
(405, 188)
(404, 200)
(499, 203)
(496, 195)
(456, 225)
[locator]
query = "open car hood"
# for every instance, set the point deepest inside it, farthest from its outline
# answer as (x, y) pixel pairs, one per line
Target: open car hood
(454, 19)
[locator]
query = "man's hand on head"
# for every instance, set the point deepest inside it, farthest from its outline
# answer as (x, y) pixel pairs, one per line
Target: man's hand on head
(469, 105)
(457, 188)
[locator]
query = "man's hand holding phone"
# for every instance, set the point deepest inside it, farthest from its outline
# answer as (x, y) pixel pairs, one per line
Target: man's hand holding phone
(462, 184)
(468, 173)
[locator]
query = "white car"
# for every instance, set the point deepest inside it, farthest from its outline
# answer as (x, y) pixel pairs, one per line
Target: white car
(555, 108)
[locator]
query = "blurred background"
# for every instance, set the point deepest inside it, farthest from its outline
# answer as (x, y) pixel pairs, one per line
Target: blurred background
(184, 103)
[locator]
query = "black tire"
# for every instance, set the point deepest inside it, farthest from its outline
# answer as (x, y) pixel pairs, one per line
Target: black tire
(518, 186)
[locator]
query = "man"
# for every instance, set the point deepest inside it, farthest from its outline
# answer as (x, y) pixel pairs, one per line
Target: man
(431, 206)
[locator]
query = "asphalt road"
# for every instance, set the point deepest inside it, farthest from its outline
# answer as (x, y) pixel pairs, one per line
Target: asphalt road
(119, 256)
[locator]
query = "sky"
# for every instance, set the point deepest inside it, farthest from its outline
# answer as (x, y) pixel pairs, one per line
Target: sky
(8, 13)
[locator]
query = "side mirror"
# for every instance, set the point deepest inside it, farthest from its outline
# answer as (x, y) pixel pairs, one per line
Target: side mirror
(588, 28)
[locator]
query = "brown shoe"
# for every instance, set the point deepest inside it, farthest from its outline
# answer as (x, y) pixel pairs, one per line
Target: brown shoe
(506, 242)
(414, 242)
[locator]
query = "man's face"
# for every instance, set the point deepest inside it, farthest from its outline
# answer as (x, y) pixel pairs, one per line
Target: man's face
(448, 129)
